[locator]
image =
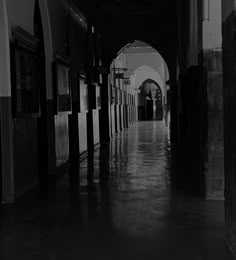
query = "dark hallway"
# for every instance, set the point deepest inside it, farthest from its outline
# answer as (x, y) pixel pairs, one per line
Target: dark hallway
(117, 129)
(135, 213)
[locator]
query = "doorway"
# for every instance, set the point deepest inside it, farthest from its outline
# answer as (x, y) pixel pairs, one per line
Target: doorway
(138, 88)
(149, 109)
(151, 97)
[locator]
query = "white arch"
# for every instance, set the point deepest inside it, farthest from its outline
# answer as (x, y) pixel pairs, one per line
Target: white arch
(117, 64)
(148, 59)
(145, 72)
(152, 60)
(47, 45)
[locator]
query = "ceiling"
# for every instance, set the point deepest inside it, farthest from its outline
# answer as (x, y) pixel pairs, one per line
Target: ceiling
(124, 7)
(138, 47)
(137, 44)
(122, 21)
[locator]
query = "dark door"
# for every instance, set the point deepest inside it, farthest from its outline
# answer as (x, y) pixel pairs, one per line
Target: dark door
(159, 110)
(149, 109)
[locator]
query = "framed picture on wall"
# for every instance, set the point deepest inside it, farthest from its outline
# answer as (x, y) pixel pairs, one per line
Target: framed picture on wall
(25, 74)
(62, 85)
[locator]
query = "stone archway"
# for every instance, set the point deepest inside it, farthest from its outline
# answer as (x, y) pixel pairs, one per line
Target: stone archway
(151, 93)
(151, 60)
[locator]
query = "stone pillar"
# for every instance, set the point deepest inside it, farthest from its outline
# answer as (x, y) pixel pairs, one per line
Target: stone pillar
(173, 111)
(212, 81)
(105, 122)
(6, 170)
(214, 165)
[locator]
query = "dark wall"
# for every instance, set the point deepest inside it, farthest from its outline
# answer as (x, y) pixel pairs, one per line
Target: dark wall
(69, 40)
(25, 154)
(1, 167)
(183, 34)
(78, 51)
(59, 23)
(189, 101)
(229, 81)
(30, 147)
(192, 128)
(215, 144)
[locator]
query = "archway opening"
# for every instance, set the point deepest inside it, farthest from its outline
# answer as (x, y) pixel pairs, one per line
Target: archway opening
(136, 64)
(150, 97)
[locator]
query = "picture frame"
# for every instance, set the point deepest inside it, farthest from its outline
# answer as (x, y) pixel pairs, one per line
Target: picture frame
(25, 74)
(62, 85)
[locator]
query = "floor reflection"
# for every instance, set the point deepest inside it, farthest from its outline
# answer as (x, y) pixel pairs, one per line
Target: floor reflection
(118, 203)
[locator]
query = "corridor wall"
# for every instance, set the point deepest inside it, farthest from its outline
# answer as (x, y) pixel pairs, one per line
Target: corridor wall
(212, 54)
(25, 130)
(200, 96)
(229, 81)
(7, 170)
(65, 132)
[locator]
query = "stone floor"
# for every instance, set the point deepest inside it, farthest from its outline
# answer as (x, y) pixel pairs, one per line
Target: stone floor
(122, 205)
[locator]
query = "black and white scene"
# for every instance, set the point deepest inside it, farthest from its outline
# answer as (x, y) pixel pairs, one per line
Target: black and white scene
(116, 135)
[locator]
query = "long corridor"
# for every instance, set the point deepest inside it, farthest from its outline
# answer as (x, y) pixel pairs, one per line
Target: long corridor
(123, 206)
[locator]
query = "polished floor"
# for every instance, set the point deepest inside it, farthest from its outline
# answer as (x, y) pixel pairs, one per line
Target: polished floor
(122, 205)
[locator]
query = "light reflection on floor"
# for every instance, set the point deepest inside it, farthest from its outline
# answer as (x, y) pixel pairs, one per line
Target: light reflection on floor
(122, 207)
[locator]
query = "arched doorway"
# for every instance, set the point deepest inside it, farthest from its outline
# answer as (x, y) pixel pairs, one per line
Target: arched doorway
(135, 63)
(151, 95)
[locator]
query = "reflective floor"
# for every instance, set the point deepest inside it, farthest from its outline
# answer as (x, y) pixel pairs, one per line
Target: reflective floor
(121, 205)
